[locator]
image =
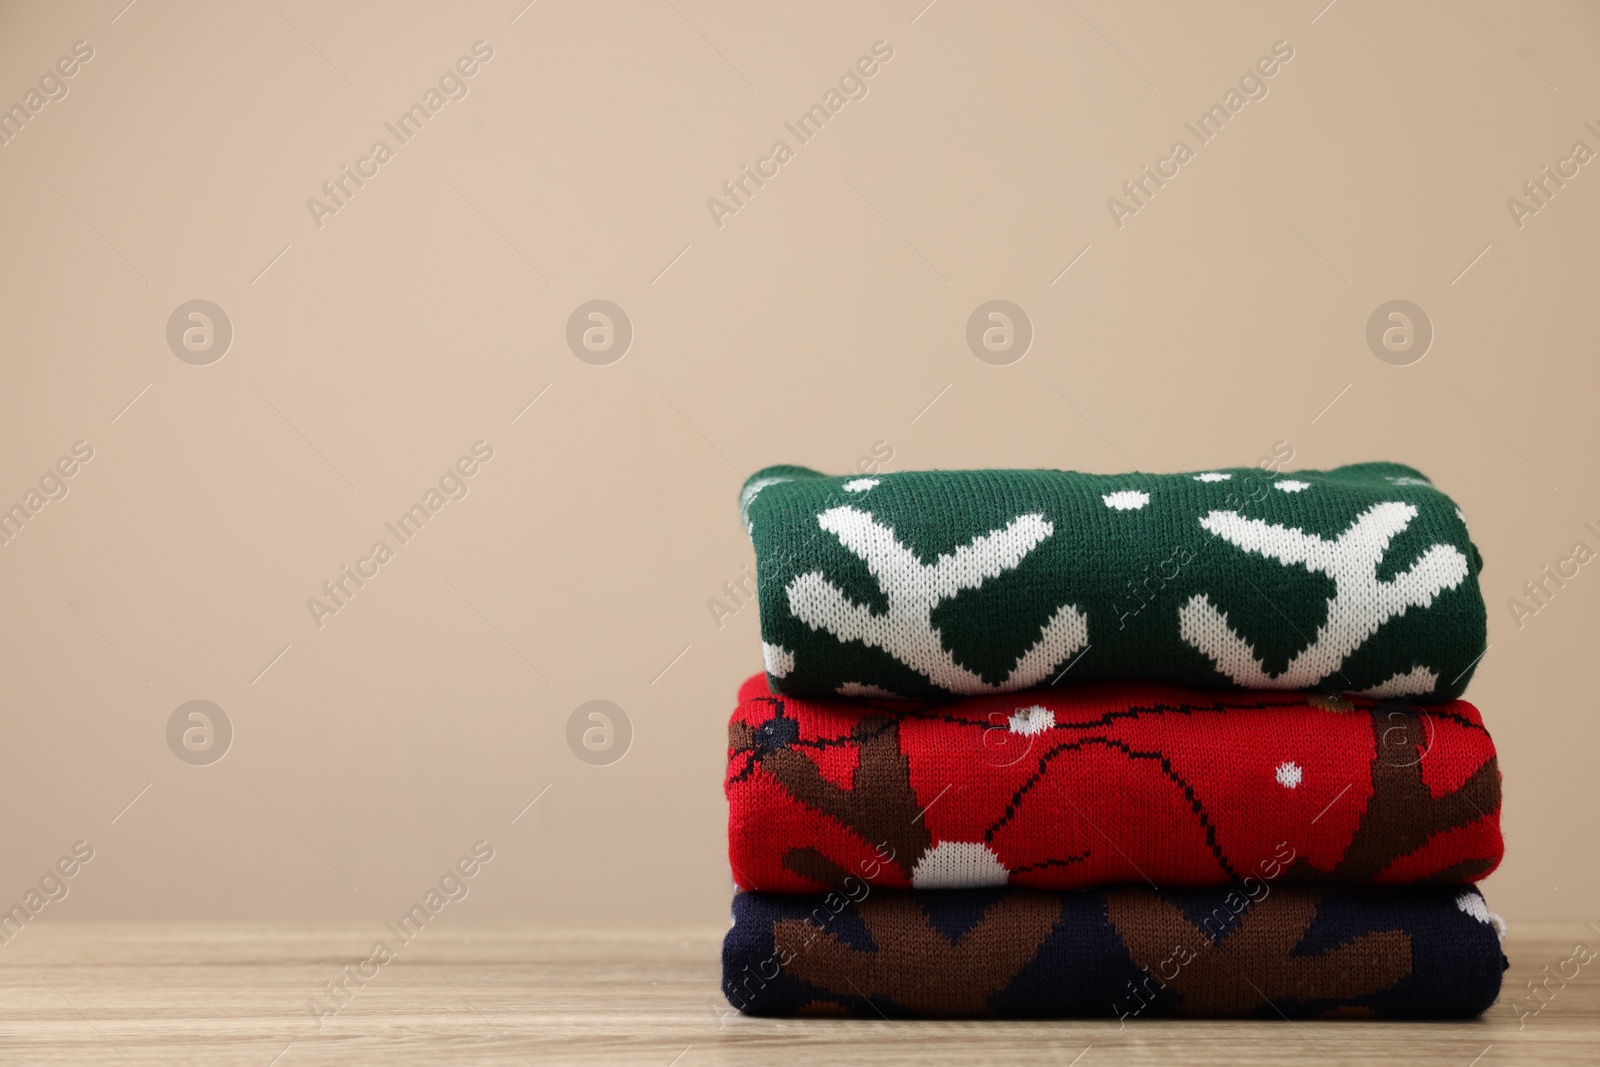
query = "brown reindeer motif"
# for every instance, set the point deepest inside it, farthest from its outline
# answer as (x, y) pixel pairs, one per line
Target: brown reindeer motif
(1253, 961)
(916, 966)
(882, 807)
(1402, 813)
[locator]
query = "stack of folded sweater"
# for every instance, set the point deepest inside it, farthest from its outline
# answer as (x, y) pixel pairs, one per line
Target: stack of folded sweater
(1039, 743)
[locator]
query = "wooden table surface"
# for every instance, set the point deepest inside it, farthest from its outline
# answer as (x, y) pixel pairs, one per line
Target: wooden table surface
(237, 993)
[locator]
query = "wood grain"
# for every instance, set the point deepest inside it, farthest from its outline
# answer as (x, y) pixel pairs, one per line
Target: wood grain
(237, 993)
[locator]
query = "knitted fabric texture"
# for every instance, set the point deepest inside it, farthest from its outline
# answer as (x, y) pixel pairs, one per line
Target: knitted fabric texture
(1127, 953)
(1360, 579)
(1110, 782)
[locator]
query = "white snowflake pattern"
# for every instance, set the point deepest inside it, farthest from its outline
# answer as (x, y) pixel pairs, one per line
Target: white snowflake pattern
(1127, 499)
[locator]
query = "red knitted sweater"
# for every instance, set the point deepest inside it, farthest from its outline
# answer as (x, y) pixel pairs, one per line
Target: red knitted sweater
(1126, 782)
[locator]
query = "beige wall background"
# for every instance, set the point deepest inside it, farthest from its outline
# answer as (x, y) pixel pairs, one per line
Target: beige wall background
(373, 346)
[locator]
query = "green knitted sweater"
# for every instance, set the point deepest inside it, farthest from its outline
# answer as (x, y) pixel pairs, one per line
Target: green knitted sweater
(1359, 579)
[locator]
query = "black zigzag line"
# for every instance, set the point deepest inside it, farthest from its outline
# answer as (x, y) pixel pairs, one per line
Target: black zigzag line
(1133, 711)
(1166, 767)
(749, 767)
(1068, 862)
